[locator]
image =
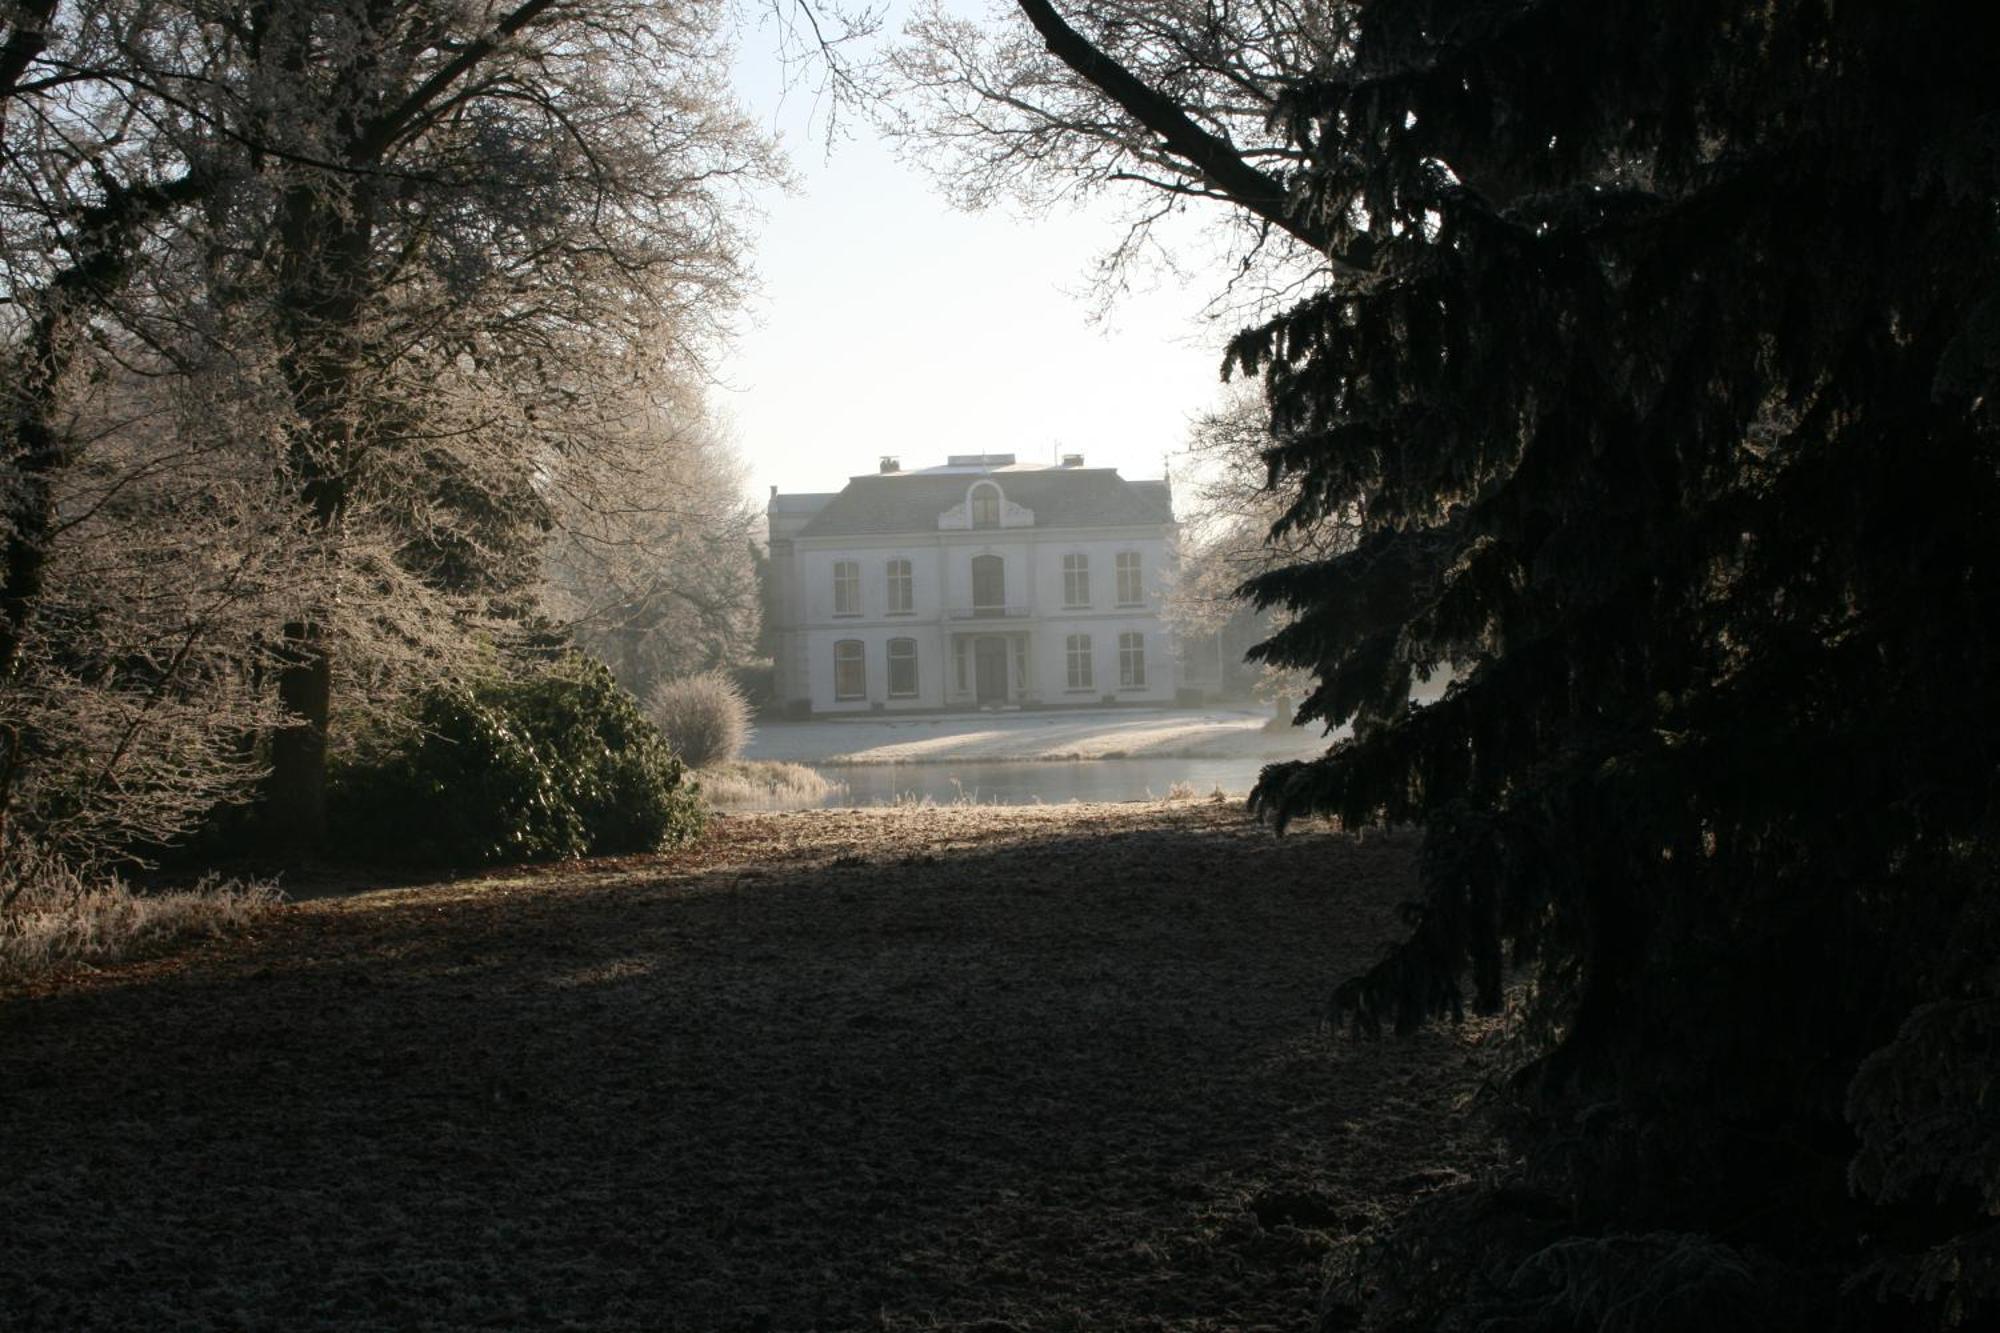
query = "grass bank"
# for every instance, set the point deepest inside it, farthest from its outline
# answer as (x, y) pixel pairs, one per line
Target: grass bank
(52, 918)
(762, 784)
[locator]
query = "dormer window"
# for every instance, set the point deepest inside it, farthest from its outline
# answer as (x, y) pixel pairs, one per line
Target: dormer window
(986, 505)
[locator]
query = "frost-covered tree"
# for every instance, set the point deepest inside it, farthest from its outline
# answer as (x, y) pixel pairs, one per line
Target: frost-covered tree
(489, 231)
(445, 252)
(654, 575)
(142, 542)
(1228, 507)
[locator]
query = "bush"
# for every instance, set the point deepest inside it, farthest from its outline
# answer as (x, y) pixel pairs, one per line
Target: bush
(705, 718)
(558, 764)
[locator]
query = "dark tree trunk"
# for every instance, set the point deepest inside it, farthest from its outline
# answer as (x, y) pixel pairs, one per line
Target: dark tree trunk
(295, 793)
(326, 272)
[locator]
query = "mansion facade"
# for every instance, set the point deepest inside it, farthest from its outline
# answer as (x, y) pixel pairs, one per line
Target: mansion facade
(982, 583)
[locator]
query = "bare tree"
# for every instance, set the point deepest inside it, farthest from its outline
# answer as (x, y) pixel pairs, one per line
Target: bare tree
(650, 566)
(411, 263)
(1232, 529)
(96, 670)
(465, 231)
(1181, 108)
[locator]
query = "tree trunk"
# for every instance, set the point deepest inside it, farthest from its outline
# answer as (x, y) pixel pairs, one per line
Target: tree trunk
(295, 793)
(325, 273)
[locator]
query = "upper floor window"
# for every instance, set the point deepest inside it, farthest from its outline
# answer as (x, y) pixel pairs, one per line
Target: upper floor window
(1076, 580)
(1131, 590)
(1131, 661)
(901, 595)
(986, 505)
(902, 668)
(1076, 654)
(847, 587)
(989, 583)
(850, 674)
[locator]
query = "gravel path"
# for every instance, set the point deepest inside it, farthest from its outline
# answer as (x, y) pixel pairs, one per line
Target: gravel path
(1034, 1069)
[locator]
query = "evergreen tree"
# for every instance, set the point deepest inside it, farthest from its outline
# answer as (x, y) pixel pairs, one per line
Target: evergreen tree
(1662, 389)
(1653, 370)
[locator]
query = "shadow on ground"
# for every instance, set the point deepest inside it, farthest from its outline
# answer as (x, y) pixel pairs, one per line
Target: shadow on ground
(906, 1069)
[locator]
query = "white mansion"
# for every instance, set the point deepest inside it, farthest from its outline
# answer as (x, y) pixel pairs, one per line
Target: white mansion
(982, 583)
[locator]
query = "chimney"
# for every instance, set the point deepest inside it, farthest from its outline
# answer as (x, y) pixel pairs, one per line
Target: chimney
(889, 464)
(1072, 460)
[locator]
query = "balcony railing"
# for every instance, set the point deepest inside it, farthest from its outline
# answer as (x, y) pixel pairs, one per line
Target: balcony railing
(990, 612)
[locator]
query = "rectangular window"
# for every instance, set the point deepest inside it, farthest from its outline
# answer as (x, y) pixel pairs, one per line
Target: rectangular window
(1130, 590)
(850, 676)
(1131, 661)
(902, 668)
(1076, 580)
(1077, 650)
(847, 587)
(901, 594)
(959, 653)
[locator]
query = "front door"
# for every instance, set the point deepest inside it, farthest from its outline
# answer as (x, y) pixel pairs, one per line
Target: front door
(989, 669)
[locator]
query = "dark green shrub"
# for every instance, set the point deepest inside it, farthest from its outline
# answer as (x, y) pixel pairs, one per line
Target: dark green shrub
(557, 764)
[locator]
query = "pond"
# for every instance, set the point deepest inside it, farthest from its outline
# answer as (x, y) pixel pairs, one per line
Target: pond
(1016, 782)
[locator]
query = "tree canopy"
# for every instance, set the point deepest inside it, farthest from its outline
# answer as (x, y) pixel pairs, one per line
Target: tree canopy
(318, 321)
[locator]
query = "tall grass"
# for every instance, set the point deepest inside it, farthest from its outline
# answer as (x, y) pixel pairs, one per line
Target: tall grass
(55, 917)
(744, 784)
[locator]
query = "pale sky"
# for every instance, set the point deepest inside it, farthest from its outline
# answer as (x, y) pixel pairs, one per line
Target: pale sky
(891, 323)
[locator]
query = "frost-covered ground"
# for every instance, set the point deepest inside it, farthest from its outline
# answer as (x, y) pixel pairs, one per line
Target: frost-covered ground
(1053, 1070)
(1125, 733)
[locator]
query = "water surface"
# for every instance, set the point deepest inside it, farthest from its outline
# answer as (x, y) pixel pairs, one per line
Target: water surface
(1011, 782)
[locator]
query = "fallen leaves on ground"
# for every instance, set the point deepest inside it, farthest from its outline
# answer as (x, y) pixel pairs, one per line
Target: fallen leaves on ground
(988, 1068)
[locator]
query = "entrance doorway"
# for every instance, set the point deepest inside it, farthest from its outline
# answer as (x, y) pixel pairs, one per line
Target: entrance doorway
(989, 669)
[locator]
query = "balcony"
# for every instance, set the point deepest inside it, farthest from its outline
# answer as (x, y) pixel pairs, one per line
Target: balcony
(990, 612)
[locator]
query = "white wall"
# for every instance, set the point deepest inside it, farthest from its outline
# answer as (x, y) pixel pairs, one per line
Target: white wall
(933, 660)
(816, 582)
(941, 572)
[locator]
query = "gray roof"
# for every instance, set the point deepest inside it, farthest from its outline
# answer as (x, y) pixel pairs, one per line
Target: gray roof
(1060, 497)
(799, 502)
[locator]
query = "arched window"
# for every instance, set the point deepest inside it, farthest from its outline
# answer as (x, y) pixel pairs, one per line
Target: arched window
(985, 505)
(989, 585)
(850, 675)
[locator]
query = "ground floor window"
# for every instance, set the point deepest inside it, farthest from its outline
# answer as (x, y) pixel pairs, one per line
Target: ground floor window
(1131, 661)
(959, 653)
(850, 676)
(902, 668)
(1077, 651)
